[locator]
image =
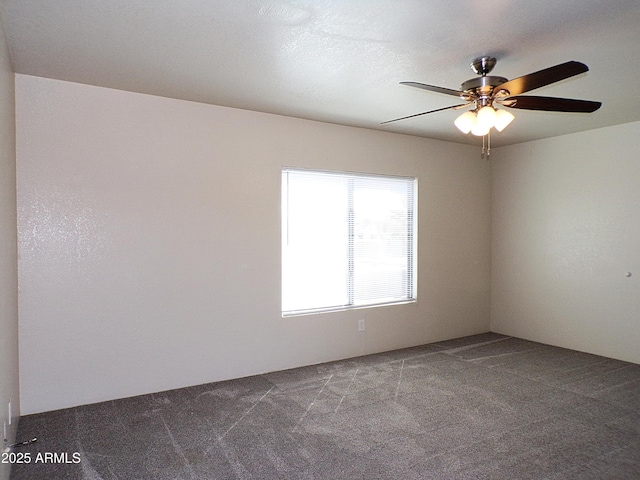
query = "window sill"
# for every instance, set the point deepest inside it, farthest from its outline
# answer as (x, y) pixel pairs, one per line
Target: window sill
(344, 308)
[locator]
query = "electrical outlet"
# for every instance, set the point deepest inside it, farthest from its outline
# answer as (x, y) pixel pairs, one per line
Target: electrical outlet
(361, 325)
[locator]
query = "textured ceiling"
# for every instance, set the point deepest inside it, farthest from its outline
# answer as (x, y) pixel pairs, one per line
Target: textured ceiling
(338, 61)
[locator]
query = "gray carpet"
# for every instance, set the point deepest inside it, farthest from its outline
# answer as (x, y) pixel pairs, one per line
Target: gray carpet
(481, 407)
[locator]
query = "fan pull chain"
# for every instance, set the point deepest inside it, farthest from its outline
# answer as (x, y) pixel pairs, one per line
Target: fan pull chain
(486, 145)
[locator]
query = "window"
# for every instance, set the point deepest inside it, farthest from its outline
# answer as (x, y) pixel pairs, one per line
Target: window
(348, 240)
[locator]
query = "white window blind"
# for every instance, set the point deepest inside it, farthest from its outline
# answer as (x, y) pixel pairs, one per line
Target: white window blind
(348, 240)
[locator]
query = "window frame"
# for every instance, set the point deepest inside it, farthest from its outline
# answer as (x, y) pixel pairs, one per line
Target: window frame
(412, 243)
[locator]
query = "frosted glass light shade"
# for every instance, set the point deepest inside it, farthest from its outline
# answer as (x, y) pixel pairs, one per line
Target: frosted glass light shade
(503, 118)
(465, 122)
(480, 130)
(486, 117)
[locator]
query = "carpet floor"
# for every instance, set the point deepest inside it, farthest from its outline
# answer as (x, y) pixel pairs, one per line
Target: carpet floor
(482, 407)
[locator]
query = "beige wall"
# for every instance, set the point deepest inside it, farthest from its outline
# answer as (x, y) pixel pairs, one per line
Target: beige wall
(566, 230)
(149, 239)
(149, 235)
(8, 260)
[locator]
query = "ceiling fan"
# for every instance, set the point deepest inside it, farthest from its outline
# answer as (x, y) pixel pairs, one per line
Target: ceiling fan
(486, 91)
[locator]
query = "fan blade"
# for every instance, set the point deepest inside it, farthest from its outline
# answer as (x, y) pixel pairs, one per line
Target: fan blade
(551, 104)
(433, 88)
(425, 113)
(543, 77)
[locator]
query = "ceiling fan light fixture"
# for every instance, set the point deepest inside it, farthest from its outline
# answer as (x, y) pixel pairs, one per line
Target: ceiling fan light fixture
(466, 121)
(503, 118)
(481, 122)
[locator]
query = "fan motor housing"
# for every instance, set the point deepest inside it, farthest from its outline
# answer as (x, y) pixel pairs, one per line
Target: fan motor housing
(481, 83)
